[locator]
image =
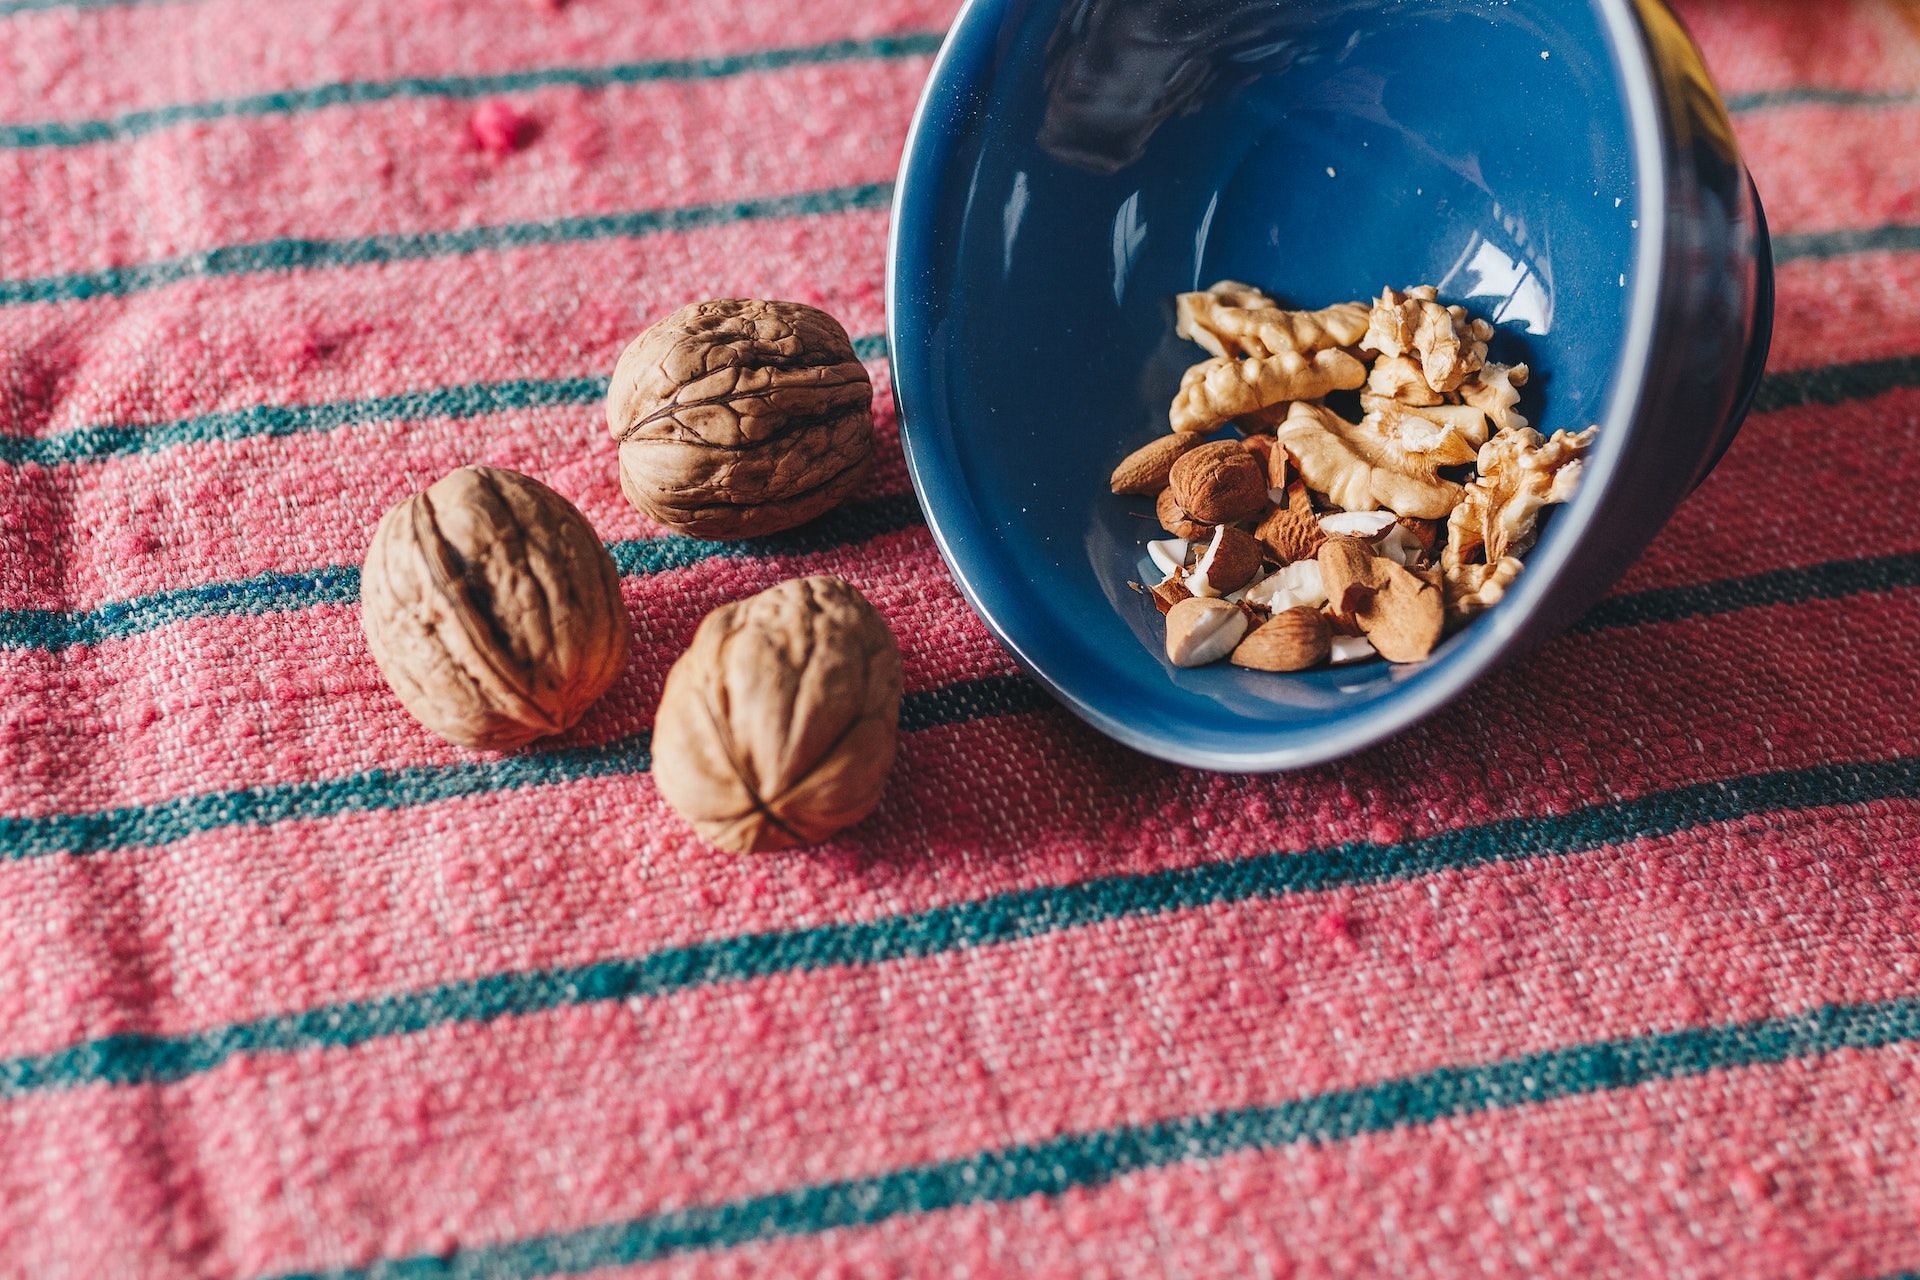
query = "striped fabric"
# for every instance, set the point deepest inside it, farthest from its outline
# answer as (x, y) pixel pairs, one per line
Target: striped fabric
(1611, 970)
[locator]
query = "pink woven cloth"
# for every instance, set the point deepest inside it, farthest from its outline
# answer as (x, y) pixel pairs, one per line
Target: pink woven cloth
(1609, 970)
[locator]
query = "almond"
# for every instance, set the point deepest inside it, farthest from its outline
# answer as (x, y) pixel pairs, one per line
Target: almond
(1348, 572)
(1298, 499)
(1404, 615)
(1290, 535)
(1144, 471)
(1202, 631)
(1225, 563)
(1176, 521)
(1292, 640)
(1219, 483)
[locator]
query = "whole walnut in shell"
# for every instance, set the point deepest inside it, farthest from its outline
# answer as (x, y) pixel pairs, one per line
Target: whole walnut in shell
(777, 725)
(492, 608)
(738, 417)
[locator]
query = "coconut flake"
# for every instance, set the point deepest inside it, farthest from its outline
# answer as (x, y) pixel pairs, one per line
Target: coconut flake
(1295, 585)
(1400, 547)
(1198, 582)
(1168, 554)
(1358, 524)
(1350, 649)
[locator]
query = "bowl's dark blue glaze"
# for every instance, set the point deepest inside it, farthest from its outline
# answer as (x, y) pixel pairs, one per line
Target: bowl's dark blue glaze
(1564, 167)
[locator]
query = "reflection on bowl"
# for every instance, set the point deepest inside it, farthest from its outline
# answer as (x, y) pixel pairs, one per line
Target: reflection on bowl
(1074, 165)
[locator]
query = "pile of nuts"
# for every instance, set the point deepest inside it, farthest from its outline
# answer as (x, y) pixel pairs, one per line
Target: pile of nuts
(493, 609)
(1312, 537)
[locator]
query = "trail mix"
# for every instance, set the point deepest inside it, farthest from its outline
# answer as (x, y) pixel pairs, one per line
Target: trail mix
(1312, 538)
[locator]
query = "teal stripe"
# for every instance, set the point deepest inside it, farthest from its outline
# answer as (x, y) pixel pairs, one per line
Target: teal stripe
(1836, 383)
(1007, 917)
(71, 133)
(1820, 245)
(385, 789)
(1831, 581)
(1083, 1160)
(55, 629)
(374, 790)
(114, 440)
(97, 443)
(1816, 96)
(302, 255)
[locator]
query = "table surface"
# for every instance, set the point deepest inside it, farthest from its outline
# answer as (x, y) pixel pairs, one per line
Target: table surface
(1609, 970)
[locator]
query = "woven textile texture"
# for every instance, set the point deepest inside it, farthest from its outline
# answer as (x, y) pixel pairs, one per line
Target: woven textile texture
(1610, 970)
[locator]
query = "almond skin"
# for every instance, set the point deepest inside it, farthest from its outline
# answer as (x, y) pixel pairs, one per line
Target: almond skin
(1404, 616)
(1168, 594)
(1290, 535)
(1291, 640)
(1219, 483)
(1278, 466)
(1261, 446)
(1350, 572)
(1178, 522)
(1145, 470)
(1231, 558)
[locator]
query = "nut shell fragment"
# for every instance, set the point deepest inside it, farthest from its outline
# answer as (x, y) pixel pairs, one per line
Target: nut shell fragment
(778, 724)
(1169, 593)
(492, 608)
(740, 417)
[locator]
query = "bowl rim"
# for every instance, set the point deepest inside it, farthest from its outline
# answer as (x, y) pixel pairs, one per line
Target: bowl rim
(1493, 636)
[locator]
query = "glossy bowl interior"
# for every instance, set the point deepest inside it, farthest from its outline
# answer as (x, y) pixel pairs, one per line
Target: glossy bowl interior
(1075, 166)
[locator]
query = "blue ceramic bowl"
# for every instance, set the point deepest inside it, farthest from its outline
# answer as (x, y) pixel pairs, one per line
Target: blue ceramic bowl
(1563, 167)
